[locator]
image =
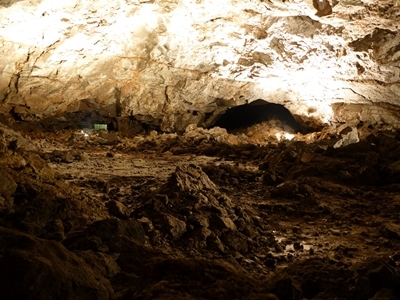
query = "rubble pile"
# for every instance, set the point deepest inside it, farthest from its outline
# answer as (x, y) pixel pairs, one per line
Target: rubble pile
(206, 214)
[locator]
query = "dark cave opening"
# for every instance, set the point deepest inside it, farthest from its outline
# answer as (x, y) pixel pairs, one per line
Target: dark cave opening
(258, 111)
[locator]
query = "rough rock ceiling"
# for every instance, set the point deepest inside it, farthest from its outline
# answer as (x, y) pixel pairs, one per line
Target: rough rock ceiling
(185, 61)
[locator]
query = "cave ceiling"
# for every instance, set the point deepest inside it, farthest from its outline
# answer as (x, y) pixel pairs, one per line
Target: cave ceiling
(185, 61)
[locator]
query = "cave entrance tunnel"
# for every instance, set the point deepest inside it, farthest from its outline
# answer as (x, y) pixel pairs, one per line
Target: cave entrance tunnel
(256, 112)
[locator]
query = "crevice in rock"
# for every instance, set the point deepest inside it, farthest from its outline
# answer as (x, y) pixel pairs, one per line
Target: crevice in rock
(118, 105)
(13, 85)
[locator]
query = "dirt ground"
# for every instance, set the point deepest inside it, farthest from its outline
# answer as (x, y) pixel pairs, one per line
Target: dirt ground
(201, 215)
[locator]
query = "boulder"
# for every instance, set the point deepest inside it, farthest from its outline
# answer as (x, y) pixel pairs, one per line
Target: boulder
(372, 276)
(286, 189)
(222, 223)
(175, 227)
(3, 145)
(7, 184)
(33, 268)
(7, 189)
(118, 209)
(196, 279)
(390, 231)
(108, 138)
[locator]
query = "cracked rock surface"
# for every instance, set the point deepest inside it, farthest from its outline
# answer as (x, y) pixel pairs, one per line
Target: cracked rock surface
(173, 63)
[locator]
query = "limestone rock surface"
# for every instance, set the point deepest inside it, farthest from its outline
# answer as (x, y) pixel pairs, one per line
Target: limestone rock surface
(172, 63)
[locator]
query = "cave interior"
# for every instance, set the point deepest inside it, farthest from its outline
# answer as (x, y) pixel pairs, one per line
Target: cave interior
(200, 149)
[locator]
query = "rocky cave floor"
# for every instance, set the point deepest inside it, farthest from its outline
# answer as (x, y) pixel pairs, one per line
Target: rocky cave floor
(201, 215)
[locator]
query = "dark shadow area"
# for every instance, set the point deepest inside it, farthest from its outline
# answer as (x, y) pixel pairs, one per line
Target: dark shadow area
(127, 126)
(86, 117)
(256, 112)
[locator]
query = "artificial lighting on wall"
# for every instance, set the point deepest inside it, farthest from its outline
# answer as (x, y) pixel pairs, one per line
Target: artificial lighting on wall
(281, 136)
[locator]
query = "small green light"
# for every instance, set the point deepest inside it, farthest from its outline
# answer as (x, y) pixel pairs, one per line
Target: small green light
(98, 127)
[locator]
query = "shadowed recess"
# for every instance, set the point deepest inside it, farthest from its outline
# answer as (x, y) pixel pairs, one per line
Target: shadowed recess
(256, 112)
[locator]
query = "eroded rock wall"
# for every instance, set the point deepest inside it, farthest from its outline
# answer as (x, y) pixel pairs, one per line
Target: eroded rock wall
(172, 63)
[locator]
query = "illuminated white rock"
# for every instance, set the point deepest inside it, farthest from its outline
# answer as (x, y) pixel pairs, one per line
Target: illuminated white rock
(166, 59)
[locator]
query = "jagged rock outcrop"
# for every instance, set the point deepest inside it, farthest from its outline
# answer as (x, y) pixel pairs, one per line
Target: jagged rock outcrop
(172, 63)
(33, 268)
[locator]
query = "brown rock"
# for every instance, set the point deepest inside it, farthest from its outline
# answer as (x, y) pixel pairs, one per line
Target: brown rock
(203, 279)
(373, 274)
(7, 184)
(391, 231)
(191, 179)
(146, 224)
(285, 189)
(215, 244)
(33, 268)
(101, 232)
(13, 140)
(270, 178)
(199, 220)
(323, 7)
(286, 288)
(175, 226)
(296, 229)
(39, 167)
(56, 230)
(117, 209)
(108, 138)
(222, 223)
(384, 294)
(394, 167)
(101, 263)
(3, 144)
(306, 158)
(236, 241)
